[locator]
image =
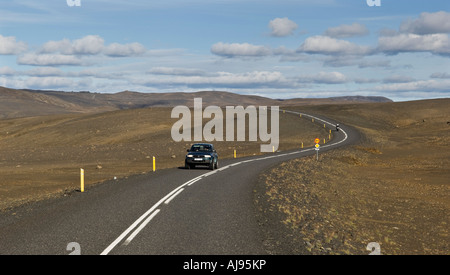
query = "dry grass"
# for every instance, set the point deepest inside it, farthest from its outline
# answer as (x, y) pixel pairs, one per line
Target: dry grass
(393, 188)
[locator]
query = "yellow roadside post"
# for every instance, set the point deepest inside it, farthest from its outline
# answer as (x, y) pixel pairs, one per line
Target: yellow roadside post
(82, 180)
(154, 164)
(234, 153)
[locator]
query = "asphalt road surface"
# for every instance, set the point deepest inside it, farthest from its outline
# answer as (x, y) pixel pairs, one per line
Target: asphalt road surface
(169, 212)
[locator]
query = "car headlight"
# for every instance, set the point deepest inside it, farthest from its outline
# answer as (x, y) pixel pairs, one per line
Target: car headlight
(207, 157)
(190, 156)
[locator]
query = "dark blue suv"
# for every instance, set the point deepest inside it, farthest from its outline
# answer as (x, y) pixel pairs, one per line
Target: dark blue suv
(202, 154)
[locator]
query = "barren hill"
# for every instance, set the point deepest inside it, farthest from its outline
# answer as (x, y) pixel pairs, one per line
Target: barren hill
(26, 103)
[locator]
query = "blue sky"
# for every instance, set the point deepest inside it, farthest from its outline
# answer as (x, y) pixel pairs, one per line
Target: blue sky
(278, 49)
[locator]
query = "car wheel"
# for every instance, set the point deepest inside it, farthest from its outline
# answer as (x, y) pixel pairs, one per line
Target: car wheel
(187, 166)
(211, 165)
(217, 164)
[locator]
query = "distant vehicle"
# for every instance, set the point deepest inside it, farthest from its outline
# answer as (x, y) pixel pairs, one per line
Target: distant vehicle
(337, 128)
(202, 154)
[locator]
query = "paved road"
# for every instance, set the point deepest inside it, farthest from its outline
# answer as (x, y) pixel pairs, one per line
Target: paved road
(173, 211)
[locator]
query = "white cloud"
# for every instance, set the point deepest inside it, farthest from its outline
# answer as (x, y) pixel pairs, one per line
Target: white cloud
(440, 75)
(361, 62)
(92, 45)
(428, 33)
(9, 46)
(221, 80)
(325, 78)
(239, 50)
(44, 71)
(259, 78)
(72, 53)
(63, 46)
(98, 73)
(428, 23)
(88, 45)
(434, 43)
(119, 50)
(331, 46)
(379, 63)
(7, 71)
(422, 85)
(176, 71)
(48, 82)
(48, 60)
(281, 27)
(343, 31)
(398, 79)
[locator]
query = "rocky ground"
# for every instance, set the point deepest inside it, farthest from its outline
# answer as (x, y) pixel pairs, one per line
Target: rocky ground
(393, 188)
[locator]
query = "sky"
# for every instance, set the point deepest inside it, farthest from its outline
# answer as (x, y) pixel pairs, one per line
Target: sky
(279, 49)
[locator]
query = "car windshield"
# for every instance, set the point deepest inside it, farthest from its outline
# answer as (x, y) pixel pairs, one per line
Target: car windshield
(201, 148)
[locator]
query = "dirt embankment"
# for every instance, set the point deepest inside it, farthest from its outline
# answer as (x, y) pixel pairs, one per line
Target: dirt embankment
(392, 189)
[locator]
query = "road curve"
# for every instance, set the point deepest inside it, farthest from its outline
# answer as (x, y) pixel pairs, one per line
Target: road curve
(170, 212)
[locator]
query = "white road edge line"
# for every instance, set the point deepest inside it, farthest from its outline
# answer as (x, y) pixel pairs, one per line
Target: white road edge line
(173, 196)
(134, 234)
(193, 181)
(176, 191)
(210, 173)
(136, 223)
